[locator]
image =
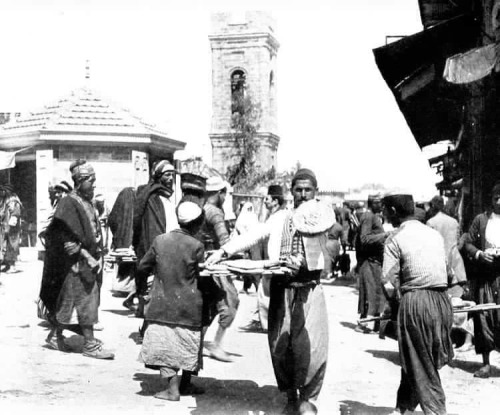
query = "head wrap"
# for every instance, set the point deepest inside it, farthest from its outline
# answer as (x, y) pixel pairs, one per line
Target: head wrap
(275, 190)
(305, 174)
(162, 167)
(215, 183)
(63, 186)
(188, 212)
(193, 182)
(80, 169)
(374, 196)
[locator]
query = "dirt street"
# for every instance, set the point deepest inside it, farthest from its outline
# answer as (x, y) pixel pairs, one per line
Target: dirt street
(363, 372)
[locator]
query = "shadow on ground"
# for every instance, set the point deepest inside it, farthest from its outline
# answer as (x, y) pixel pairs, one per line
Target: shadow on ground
(223, 397)
(471, 367)
(388, 355)
(122, 312)
(360, 408)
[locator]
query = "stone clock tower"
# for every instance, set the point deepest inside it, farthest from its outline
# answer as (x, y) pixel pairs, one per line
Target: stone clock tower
(244, 51)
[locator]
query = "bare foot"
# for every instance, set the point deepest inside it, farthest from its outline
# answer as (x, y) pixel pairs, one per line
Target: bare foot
(484, 372)
(464, 348)
(168, 396)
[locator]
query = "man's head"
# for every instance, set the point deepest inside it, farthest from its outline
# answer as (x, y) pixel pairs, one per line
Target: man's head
(61, 189)
(304, 186)
(83, 175)
(275, 198)
(216, 190)
(436, 205)
(398, 208)
(375, 203)
(193, 186)
(189, 216)
(164, 174)
(495, 198)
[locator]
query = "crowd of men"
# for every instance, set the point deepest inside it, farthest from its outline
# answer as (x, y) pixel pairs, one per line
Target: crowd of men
(413, 267)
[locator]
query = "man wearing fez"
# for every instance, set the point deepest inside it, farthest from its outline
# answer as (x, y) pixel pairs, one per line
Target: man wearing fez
(482, 245)
(414, 270)
(72, 273)
(370, 253)
(298, 322)
(154, 214)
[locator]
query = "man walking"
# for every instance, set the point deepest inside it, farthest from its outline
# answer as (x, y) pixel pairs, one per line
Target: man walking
(414, 269)
(298, 322)
(72, 272)
(370, 252)
(214, 234)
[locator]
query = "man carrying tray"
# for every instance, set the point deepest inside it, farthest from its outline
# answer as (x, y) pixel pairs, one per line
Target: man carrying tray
(298, 323)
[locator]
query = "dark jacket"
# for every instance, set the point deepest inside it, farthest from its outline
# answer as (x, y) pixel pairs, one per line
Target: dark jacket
(371, 238)
(175, 297)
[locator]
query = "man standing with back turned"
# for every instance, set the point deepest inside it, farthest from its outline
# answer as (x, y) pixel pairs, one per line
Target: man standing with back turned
(415, 269)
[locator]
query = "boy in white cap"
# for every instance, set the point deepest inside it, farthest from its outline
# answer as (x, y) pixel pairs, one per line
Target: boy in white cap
(174, 333)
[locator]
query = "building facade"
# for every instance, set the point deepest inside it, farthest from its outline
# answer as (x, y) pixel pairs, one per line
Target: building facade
(244, 52)
(120, 146)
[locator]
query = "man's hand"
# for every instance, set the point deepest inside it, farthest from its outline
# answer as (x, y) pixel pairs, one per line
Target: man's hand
(485, 257)
(215, 257)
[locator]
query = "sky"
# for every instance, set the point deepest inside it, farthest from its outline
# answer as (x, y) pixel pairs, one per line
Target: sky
(335, 113)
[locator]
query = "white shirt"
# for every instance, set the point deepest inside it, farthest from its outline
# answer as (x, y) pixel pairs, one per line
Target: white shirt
(170, 215)
(492, 233)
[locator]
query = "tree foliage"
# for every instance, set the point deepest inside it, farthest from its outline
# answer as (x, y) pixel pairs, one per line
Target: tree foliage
(244, 174)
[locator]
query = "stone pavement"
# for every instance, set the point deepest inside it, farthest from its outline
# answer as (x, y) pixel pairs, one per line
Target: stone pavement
(362, 377)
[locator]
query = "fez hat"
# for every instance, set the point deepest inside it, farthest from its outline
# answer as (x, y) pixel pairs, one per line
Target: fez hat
(193, 182)
(305, 174)
(275, 190)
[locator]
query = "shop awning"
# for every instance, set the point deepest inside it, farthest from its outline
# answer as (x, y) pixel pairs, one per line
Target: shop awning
(413, 69)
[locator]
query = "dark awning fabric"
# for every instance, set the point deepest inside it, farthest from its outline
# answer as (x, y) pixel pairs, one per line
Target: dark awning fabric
(433, 12)
(413, 67)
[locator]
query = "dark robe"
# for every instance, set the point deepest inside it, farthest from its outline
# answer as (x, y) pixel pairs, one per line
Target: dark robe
(121, 218)
(370, 253)
(149, 222)
(67, 277)
(424, 347)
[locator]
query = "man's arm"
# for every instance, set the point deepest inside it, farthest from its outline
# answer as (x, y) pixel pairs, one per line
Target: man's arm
(242, 242)
(391, 268)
